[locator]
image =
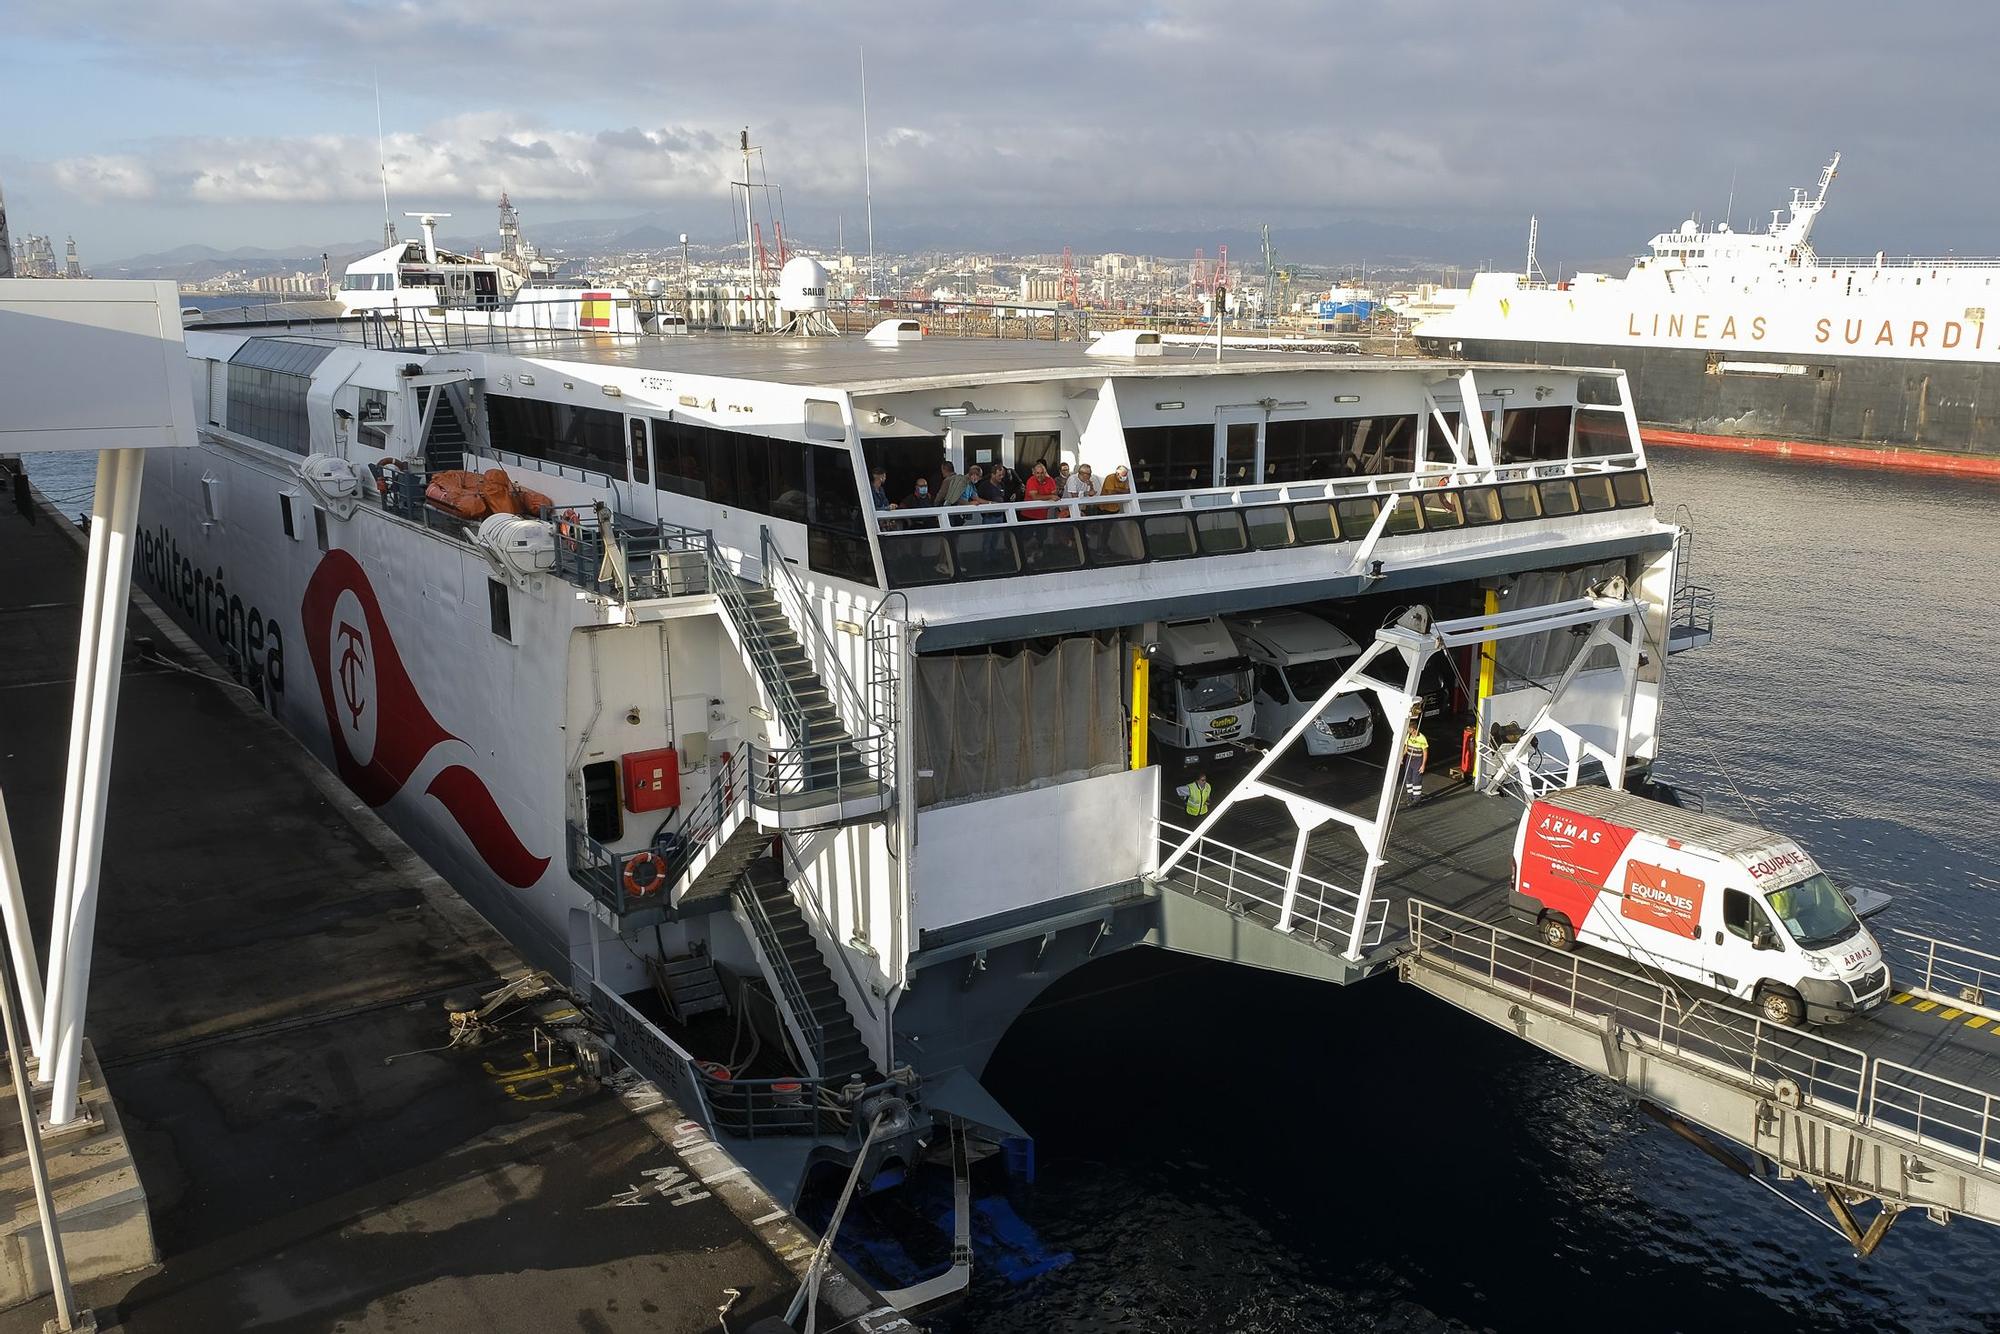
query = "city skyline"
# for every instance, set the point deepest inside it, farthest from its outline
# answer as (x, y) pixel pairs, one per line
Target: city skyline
(1029, 129)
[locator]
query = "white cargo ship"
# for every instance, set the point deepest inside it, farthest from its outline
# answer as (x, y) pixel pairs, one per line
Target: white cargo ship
(1753, 339)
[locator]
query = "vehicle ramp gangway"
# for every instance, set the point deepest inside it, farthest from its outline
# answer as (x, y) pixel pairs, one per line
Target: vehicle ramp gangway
(1879, 1109)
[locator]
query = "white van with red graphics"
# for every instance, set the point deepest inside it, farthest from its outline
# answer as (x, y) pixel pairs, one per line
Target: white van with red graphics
(1722, 904)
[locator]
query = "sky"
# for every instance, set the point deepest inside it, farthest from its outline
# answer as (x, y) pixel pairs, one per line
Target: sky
(1349, 126)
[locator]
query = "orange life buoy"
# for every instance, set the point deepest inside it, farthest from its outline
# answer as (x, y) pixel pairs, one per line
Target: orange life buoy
(653, 883)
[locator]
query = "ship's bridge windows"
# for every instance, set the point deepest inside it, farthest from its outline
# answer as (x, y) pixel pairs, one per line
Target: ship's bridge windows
(1535, 434)
(268, 382)
(368, 282)
(1601, 435)
(588, 438)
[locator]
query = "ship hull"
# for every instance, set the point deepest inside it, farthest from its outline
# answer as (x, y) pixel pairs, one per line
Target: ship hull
(1836, 409)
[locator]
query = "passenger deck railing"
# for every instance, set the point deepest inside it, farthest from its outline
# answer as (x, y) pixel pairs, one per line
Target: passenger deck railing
(1663, 1017)
(1240, 881)
(946, 544)
(1954, 973)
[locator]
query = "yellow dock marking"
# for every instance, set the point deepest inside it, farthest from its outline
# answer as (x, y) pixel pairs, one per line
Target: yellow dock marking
(1978, 1021)
(1949, 1014)
(1902, 998)
(1926, 1006)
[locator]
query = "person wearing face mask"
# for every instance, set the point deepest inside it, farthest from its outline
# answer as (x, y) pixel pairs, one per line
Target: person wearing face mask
(1119, 483)
(920, 498)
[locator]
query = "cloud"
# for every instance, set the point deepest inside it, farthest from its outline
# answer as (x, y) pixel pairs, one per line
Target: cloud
(1164, 112)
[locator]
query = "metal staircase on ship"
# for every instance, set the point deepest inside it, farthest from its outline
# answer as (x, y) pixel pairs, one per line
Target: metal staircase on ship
(833, 767)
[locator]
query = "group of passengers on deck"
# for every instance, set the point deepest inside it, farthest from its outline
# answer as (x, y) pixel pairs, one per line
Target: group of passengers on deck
(996, 484)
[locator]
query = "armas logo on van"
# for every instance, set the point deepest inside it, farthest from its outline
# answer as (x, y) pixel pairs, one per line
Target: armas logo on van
(1565, 834)
(1567, 858)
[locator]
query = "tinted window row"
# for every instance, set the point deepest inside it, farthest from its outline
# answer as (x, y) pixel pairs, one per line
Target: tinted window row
(1182, 458)
(988, 551)
(270, 406)
(557, 432)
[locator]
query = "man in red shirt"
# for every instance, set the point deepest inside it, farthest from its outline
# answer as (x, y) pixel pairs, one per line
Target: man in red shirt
(1041, 486)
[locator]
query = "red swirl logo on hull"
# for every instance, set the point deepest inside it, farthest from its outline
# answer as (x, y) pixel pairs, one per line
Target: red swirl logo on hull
(381, 729)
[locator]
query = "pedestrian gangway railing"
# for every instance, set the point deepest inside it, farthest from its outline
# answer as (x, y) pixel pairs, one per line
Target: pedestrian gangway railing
(1941, 970)
(1277, 895)
(1838, 1112)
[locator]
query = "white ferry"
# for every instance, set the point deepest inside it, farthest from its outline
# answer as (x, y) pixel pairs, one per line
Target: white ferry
(808, 797)
(1732, 337)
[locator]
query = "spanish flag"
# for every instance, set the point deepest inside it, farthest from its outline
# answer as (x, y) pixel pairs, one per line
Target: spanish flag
(595, 312)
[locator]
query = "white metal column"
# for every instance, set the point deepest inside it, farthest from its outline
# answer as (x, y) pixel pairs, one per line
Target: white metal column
(100, 647)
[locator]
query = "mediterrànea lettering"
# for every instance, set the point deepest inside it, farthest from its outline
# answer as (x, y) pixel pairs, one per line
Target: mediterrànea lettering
(252, 646)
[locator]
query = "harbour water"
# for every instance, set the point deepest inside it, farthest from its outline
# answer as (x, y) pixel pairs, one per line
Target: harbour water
(1230, 1150)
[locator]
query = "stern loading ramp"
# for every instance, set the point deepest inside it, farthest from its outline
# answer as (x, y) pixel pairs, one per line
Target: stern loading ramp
(1900, 1106)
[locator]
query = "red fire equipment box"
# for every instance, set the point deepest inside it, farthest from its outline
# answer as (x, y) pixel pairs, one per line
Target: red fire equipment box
(652, 779)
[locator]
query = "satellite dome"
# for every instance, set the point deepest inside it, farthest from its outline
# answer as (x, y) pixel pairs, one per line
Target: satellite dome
(802, 284)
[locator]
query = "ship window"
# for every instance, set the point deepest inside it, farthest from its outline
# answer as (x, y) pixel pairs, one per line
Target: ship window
(1597, 390)
(1482, 505)
(559, 433)
(906, 459)
(319, 528)
(1528, 434)
(1407, 518)
(1631, 488)
(1270, 527)
(984, 552)
(1046, 548)
(499, 613)
(642, 472)
(1114, 542)
(836, 536)
(912, 560)
(1169, 536)
(1171, 458)
(1357, 514)
(1441, 509)
(1314, 522)
(1519, 501)
(285, 499)
(1558, 497)
(1220, 532)
(1595, 493)
(1601, 435)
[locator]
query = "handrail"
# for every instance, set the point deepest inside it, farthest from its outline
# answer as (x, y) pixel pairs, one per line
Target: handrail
(799, 777)
(1741, 1043)
(1318, 909)
(702, 824)
(811, 905)
(798, 606)
(810, 1029)
(1197, 499)
(1938, 1112)
(1953, 972)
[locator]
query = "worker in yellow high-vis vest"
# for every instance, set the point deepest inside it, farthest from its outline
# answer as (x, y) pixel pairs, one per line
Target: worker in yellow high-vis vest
(1197, 794)
(1416, 755)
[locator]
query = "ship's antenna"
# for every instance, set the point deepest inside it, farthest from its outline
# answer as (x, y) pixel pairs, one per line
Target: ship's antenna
(867, 177)
(1534, 270)
(1729, 213)
(382, 160)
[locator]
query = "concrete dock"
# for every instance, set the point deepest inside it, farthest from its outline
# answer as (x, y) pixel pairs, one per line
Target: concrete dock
(269, 1010)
